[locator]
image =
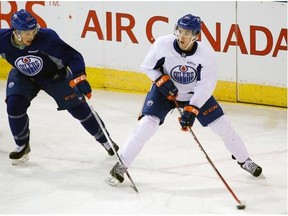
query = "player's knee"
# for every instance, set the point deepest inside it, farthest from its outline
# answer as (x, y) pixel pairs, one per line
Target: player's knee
(222, 126)
(17, 105)
(147, 127)
(151, 120)
(81, 111)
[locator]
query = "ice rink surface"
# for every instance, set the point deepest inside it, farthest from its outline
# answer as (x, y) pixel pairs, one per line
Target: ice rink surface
(67, 168)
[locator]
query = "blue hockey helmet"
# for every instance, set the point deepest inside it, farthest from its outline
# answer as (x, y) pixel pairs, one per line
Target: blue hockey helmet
(190, 22)
(23, 21)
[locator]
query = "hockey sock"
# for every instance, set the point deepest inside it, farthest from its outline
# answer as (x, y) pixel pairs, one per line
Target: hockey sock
(233, 142)
(18, 118)
(146, 128)
(84, 114)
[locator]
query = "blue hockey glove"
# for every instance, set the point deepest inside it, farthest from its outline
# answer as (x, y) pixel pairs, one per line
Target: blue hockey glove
(166, 87)
(82, 84)
(188, 117)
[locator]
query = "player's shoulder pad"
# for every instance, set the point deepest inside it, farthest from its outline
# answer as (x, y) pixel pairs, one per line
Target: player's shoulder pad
(166, 39)
(5, 37)
(5, 32)
(47, 32)
(204, 47)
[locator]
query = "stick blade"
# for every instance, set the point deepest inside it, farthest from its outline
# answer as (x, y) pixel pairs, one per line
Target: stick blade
(241, 206)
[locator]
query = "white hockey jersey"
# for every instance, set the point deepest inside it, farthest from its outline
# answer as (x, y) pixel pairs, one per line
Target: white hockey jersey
(194, 73)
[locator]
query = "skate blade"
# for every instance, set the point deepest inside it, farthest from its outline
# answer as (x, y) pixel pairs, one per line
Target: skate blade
(22, 160)
(112, 181)
(261, 176)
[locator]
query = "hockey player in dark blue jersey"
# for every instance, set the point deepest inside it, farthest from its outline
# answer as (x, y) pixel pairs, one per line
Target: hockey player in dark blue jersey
(41, 60)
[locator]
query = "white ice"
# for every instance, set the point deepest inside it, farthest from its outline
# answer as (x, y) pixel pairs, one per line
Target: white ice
(67, 168)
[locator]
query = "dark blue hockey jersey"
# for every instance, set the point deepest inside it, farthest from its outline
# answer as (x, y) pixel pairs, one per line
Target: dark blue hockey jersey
(43, 58)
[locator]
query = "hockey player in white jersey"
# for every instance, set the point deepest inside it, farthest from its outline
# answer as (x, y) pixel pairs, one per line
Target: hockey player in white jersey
(184, 69)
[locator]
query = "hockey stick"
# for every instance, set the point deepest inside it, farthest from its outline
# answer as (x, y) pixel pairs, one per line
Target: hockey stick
(240, 204)
(133, 186)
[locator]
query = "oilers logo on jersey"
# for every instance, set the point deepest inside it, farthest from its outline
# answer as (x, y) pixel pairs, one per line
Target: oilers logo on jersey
(29, 65)
(183, 74)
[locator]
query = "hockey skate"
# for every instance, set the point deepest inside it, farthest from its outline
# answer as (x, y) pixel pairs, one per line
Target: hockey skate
(109, 148)
(117, 174)
(20, 155)
(251, 167)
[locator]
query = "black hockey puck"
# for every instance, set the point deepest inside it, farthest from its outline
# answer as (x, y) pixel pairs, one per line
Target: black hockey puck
(241, 207)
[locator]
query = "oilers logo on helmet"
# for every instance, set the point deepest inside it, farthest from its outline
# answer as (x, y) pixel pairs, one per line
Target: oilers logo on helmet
(183, 74)
(29, 65)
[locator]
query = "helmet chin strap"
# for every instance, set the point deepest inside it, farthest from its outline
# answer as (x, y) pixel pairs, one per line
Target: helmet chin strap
(18, 37)
(19, 40)
(193, 39)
